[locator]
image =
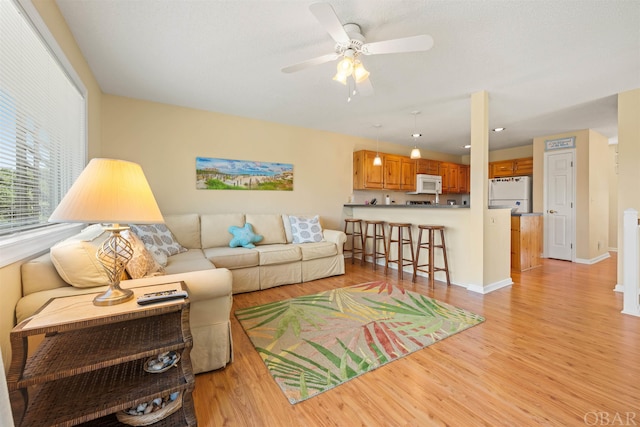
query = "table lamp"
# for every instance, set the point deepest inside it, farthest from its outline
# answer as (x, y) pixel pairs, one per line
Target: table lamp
(115, 192)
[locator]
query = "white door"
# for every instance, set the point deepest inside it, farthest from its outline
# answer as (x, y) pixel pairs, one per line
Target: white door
(559, 216)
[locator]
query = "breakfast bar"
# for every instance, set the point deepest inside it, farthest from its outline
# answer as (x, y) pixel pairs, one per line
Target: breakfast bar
(461, 223)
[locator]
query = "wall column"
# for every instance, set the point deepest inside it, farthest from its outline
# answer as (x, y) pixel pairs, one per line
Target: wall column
(628, 163)
(478, 200)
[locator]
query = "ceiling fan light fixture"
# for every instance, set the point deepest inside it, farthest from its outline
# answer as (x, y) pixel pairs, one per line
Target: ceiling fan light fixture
(340, 77)
(360, 73)
(345, 66)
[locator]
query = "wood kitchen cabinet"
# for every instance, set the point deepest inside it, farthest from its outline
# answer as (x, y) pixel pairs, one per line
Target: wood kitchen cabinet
(514, 167)
(526, 242)
(450, 177)
(392, 170)
(427, 167)
(523, 166)
(396, 172)
(464, 179)
(366, 176)
(407, 174)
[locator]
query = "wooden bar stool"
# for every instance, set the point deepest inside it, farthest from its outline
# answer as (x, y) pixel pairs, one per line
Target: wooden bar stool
(377, 235)
(401, 241)
(431, 245)
(356, 237)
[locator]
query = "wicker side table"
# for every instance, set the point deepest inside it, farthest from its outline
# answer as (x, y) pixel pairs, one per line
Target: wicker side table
(91, 362)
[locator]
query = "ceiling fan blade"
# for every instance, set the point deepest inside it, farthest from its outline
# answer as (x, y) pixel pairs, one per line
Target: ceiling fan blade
(365, 88)
(406, 44)
(310, 63)
(327, 17)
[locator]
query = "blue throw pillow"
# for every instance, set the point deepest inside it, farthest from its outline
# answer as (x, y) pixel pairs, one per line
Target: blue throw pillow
(243, 236)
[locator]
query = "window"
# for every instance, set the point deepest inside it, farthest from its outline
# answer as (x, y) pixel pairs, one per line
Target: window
(42, 122)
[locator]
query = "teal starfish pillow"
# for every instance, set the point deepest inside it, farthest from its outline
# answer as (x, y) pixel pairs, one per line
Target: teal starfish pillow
(243, 236)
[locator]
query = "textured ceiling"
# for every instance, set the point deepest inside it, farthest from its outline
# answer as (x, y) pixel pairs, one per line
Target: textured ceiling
(549, 66)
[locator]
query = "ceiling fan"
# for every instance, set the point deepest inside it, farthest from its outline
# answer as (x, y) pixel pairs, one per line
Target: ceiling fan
(351, 44)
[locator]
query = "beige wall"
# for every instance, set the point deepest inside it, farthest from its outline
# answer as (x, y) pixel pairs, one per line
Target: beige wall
(628, 160)
(613, 197)
(592, 190)
(10, 275)
(166, 140)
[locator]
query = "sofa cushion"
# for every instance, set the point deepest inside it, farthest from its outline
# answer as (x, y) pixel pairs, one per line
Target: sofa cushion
(191, 260)
(278, 254)
(39, 274)
(269, 226)
(142, 263)
(75, 258)
(160, 236)
(305, 230)
(215, 228)
(243, 236)
(232, 258)
(317, 250)
(186, 229)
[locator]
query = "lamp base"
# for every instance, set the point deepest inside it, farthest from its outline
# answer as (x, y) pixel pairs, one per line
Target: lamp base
(113, 296)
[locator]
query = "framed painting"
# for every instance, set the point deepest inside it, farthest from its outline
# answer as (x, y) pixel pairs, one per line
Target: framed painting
(227, 174)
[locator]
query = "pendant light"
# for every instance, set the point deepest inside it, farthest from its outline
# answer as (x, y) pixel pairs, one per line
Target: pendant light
(415, 153)
(377, 161)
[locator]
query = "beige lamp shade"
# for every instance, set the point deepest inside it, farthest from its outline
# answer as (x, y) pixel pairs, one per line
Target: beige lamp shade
(109, 191)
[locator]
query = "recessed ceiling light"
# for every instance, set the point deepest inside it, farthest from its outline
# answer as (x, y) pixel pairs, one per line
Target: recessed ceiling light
(498, 129)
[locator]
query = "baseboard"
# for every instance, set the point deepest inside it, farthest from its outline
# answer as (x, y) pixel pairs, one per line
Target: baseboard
(593, 260)
(631, 313)
(613, 249)
(490, 288)
(618, 288)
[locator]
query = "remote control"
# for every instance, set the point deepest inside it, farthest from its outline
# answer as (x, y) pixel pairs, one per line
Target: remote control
(153, 297)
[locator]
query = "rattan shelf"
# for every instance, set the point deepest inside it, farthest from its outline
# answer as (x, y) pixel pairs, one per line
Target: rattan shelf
(91, 362)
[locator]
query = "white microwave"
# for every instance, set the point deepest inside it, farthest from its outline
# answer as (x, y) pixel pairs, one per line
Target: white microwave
(428, 184)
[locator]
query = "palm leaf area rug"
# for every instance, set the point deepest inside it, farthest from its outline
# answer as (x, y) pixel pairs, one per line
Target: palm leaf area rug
(313, 343)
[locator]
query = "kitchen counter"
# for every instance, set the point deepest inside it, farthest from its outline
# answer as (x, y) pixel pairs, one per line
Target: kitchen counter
(461, 224)
(526, 213)
(393, 205)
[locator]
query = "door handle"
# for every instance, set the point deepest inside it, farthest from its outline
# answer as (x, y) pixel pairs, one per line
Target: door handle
(551, 211)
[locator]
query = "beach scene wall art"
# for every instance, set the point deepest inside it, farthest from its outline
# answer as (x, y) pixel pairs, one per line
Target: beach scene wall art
(227, 174)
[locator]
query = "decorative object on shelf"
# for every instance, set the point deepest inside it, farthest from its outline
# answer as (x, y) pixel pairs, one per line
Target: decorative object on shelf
(162, 362)
(226, 174)
(377, 161)
(415, 153)
(117, 192)
(151, 412)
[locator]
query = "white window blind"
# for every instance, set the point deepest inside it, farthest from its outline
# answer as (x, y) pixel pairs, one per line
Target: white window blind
(42, 125)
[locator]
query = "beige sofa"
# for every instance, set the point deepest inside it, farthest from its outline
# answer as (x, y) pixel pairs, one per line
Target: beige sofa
(211, 270)
(275, 260)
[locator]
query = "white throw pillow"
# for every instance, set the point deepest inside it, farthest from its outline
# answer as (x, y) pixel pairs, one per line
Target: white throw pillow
(160, 236)
(160, 256)
(306, 230)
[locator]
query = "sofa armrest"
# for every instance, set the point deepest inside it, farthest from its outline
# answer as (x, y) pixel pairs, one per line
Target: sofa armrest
(210, 293)
(335, 236)
(202, 285)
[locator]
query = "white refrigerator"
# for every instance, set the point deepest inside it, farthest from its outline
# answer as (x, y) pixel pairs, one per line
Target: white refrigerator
(513, 192)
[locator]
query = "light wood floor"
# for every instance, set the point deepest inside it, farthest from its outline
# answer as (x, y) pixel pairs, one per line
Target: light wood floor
(554, 350)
